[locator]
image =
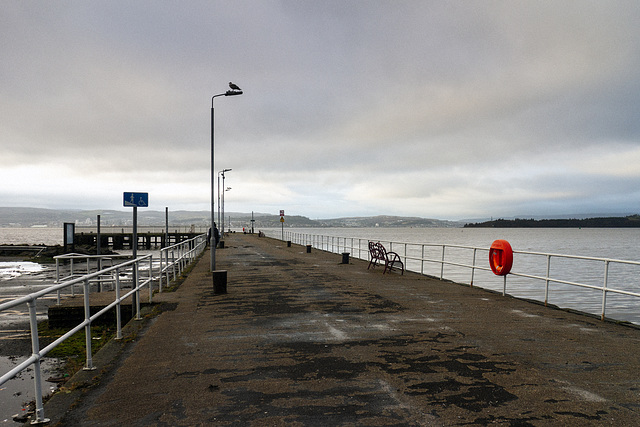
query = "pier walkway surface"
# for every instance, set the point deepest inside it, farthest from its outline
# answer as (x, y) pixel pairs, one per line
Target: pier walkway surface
(301, 339)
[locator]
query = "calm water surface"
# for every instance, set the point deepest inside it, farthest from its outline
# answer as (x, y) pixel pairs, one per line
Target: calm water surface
(31, 236)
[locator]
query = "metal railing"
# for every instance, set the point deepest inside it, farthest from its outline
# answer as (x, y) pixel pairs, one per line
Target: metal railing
(80, 265)
(31, 300)
(174, 258)
(417, 255)
(136, 274)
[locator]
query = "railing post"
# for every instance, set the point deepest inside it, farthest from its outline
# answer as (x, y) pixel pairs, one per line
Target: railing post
(173, 263)
(87, 326)
(160, 274)
(183, 257)
(504, 285)
(546, 282)
(473, 266)
(57, 271)
(442, 264)
(150, 279)
(166, 267)
(136, 284)
(57, 281)
(73, 287)
(118, 313)
(405, 254)
(604, 288)
(37, 375)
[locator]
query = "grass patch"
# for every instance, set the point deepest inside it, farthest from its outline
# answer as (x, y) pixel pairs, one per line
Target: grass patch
(175, 284)
(73, 350)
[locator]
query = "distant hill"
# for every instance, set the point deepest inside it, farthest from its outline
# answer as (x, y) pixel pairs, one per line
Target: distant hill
(603, 222)
(388, 221)
(29, 217)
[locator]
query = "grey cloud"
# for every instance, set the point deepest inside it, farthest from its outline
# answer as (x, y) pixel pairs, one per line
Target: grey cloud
(446, 99)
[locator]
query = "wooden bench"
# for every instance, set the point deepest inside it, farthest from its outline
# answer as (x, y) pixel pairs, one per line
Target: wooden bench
(378, 253)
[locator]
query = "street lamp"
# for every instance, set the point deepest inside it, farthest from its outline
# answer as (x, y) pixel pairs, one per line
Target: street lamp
(220, 172)
(226, 189)
(235, 90)
(221, 221)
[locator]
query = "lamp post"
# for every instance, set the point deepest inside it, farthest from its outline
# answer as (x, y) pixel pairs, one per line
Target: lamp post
(221, 222)
(219, 173)
(225, 190)
(235, 90)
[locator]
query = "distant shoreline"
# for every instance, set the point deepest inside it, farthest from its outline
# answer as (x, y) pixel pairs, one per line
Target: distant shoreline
(632, 221)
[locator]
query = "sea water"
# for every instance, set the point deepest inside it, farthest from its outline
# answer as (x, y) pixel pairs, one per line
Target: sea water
(31, 236)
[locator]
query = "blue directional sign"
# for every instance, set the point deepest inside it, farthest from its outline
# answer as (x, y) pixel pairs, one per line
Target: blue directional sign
(140, 200)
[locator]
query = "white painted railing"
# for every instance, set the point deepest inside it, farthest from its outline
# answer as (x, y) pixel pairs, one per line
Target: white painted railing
(533, 265)
(71, 266)
(135, 274)
(174, 258)
(138, 283)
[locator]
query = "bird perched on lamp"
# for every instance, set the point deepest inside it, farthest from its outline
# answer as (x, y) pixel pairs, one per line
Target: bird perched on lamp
(234, 86)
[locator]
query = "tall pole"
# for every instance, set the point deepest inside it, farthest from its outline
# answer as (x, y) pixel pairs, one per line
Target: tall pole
(98, 238)
(212, 242)
(223, 191)
(221, 203)
(166, 226)
(234, 91)
(134, 248)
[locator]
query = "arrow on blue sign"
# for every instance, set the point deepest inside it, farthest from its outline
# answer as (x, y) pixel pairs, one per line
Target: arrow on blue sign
(140, 200)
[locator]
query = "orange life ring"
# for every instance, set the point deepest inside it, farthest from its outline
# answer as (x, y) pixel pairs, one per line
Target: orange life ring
(501, 257)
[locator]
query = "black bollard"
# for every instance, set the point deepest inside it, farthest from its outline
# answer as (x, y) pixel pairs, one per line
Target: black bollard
(308, 249)
(220, 282)
(345, 257)
(288, 243)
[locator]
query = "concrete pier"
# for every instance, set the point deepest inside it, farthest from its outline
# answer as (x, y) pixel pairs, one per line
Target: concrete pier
(304, 339)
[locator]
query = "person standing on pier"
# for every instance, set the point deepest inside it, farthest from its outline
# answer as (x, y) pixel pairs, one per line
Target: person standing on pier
(216, 234)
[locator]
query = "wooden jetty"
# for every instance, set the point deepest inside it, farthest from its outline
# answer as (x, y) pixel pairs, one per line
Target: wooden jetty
(121, 241)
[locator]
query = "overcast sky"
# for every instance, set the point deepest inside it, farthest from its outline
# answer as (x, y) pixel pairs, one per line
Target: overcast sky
(449, 110)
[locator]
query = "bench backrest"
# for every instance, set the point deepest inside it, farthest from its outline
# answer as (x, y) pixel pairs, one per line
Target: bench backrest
(377, 251)
(381, 250)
